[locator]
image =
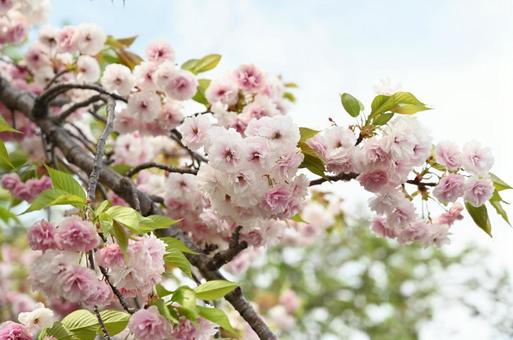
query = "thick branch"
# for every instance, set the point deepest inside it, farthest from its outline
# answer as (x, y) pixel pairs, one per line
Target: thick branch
(75, 154)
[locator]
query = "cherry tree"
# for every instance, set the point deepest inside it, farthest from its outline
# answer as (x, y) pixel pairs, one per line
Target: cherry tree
(168, 175)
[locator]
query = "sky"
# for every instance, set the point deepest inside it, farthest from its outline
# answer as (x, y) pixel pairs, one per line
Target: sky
(454, 55)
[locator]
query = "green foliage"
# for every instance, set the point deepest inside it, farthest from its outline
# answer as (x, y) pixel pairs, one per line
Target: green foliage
(199, 97)
(204, 64)
(218, 317)
(379, 270)
(83, 325)
(176, 258)
(480, 217)
(66, 182)
(187, 299)
(214, 289)
(352, 105)
(5, 127)
(53, 197)
(172, 242)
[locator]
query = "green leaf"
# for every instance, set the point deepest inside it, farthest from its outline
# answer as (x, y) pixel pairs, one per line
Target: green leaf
(82, 324)
(121, 168)
(495, 201)
(314, 164)
(290, 97)
(101, 207)
(7, 215)
(382, 118)
(215, 289)
(115, 321)
(480, 217)
(51, 197)
(499, 183)
(306, 134)
(187, 299)
(352, 105)
(174, 243)
(166, 311)
(4, 155)
(199, 97)
(106, 223)
(176, 258)
(66, 182)
(128, 41)
(121, 237)
(5, 127)
(190, 64)
(218, 317)
(298, 218)
(399, 102)
(162, 291)
(124, 215)
(57, 330)
(207, 63)
(204, 64)
(153, 222)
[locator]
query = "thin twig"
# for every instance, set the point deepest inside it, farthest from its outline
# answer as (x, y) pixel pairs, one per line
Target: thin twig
(235, 247)
(69, 111)
(90, 256)
(57, 76)
(165, 167)
(116, 292)
(100, 149)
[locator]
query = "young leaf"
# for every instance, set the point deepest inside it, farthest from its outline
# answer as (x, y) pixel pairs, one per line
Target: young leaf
(190, 64)
(7, 215)
(115, 321)
(289, 96)
(125, 216)
(121, 237)
(480, 217)
(187, 299)
(66, 182)
(352, 105)
(176, 258)
(207, 63)
(4, 155)
(199, 97)
(149, 223)
(5, 127)
(162, 291)
(166, 311)
(314, 164)
(306, 134)
(51, 197)
(499, 183)
(57, 330)
(82, 324)
(215, 289)
(174, 243)
(382, 118)
(495, 201)
(218, 317)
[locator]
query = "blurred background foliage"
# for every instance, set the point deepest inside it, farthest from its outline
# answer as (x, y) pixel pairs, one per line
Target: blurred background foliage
(353, 284)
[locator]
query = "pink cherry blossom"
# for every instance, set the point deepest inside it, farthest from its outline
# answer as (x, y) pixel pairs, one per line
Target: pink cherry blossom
(249, 78)
(450, 188)
(41, 236)
(449, 155)
(14, 331)
(75, 234)
(148, 324)
(159, 51)
(477, 160)
(478, 191)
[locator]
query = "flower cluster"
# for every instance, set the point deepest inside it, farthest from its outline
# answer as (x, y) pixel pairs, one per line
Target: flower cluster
(25, 191)
(140, 270)
(17, 17)
(57, 271)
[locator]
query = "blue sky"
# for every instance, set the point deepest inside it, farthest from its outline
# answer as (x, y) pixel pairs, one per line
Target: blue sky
(455, 55)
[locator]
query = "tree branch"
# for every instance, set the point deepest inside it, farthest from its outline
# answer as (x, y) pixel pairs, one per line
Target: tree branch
(235, 247)
(75, 154)
(165, 167)
(69, 111)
